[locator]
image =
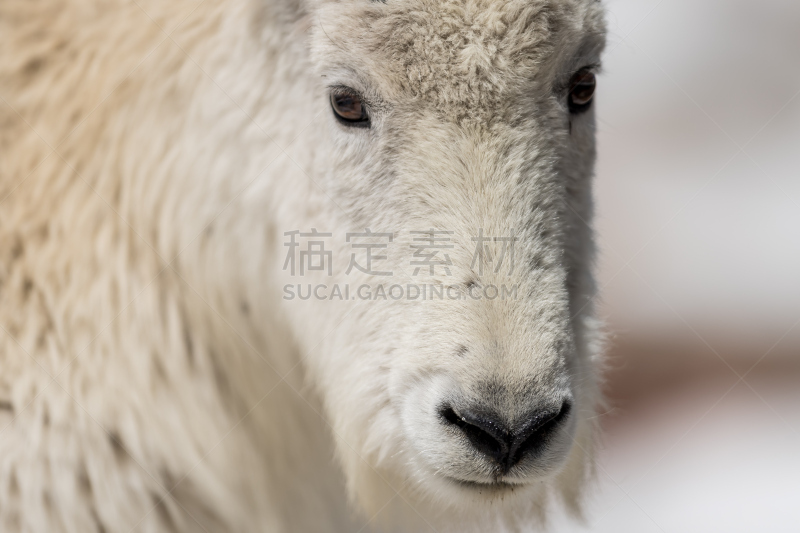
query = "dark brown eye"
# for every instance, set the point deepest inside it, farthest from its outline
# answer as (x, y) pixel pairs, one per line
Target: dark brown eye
(349, 108)
(581, 91)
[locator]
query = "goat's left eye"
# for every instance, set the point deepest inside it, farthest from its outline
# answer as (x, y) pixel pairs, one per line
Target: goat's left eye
(349, 108)
(581, 91)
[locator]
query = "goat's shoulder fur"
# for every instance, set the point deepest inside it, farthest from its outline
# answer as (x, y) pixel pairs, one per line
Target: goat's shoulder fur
(122, 406)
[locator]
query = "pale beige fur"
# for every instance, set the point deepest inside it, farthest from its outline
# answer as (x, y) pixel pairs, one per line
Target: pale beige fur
(152, 155)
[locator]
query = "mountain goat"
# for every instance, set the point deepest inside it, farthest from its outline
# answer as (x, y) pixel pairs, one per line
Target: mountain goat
(296, 265)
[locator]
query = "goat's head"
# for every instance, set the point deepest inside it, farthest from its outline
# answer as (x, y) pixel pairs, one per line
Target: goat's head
(466, 129)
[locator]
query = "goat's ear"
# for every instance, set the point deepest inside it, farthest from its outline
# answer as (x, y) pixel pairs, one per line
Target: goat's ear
(285, 13)
(297, 13)
(313, 3)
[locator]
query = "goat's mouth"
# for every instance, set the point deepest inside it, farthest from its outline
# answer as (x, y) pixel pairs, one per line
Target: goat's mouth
(490, 486)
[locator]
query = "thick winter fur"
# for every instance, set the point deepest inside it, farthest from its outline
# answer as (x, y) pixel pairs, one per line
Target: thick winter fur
(152, 155)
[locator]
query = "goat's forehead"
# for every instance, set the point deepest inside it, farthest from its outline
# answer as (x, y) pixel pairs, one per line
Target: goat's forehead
(459, 51)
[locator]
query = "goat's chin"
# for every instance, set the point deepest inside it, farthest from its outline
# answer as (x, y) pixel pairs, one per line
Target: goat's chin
(482, 506)
(467, 489)
(410, 494)
(440, 496)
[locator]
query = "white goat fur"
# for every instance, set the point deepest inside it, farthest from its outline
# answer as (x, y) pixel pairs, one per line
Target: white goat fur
(152, 155)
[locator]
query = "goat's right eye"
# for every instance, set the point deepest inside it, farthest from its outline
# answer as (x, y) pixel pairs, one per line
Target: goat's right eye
(349, 108)
(581, 91)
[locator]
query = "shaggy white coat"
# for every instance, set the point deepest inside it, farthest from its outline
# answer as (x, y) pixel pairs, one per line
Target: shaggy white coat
(152, 155)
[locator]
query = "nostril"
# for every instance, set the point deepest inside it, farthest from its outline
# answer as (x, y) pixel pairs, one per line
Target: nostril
(536, 431)
(484, 432)
(488, 435)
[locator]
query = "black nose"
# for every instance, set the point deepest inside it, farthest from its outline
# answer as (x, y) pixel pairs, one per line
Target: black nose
(490, 435)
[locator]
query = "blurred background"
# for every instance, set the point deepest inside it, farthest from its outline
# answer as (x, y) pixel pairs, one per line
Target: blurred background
(698, 189)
